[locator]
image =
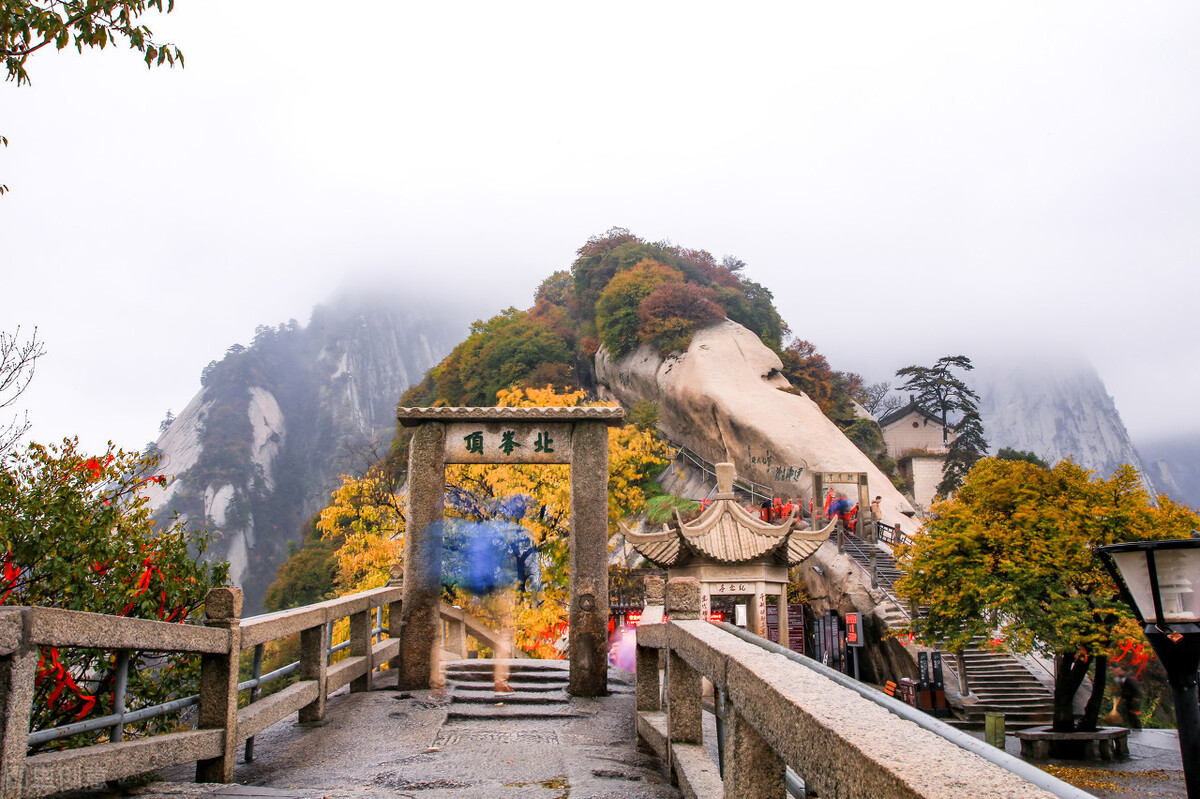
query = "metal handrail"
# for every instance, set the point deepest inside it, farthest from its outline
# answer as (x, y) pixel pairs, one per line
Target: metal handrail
(748, 486)
(117, 720)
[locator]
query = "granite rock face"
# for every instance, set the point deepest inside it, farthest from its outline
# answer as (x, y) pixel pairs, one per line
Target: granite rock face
(1056, 409)
(257, 451)
(724, 398)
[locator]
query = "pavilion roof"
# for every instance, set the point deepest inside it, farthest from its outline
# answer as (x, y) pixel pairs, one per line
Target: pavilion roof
(725, 532)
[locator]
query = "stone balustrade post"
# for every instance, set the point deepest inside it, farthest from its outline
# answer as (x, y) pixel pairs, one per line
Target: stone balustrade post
(395, 611)
(314, 665)
(456, 637)
(752, 768)
(360, 646)
(649, 685)
(219, 682)
(18, 663)
(684, 686)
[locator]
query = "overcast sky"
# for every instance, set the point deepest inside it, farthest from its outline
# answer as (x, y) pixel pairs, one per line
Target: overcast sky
(910, 180)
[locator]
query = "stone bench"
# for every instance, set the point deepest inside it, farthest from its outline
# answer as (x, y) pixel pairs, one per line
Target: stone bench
(1105, 743)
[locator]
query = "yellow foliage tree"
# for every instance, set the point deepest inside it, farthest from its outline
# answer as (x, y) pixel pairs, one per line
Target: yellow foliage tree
(370, 516)
(632, 454)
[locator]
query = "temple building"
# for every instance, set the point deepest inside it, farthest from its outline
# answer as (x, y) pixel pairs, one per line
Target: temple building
(733, 553)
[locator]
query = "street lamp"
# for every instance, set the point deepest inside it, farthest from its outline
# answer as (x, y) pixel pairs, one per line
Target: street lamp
(1161, 582)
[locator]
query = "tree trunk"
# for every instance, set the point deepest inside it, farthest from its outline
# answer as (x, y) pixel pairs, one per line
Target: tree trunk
(1095, 703)
(1069, 672)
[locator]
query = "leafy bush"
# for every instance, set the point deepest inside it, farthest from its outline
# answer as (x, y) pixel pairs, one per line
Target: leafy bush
(617, 310)
(673, 312)
(643, 414)
(658, 509)
(76, 533)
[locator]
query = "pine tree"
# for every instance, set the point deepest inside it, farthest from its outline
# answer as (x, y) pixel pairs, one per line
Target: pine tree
(942, 392)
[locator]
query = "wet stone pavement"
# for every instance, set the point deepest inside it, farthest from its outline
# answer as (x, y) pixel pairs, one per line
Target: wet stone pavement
(1154, 768)
(388, 743)
(421, 745)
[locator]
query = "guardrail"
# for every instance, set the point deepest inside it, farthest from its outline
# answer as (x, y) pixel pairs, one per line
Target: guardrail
(743, 484)
(893, 535)
(220, 640)
(839, 737)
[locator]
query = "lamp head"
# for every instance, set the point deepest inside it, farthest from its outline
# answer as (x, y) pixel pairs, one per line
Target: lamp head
(1159, 579)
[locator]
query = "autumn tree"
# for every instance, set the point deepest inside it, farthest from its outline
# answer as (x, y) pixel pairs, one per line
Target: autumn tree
(367, 514)
(673, 312)
(617, 319)
(809, 371)
(511, 348)
(27, 26)
(1011, 558)
(633, 453)
(941, 391)
(76, 533)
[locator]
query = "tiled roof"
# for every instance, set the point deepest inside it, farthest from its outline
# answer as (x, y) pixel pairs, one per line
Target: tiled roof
(905, 410)
(410, 417)
(728, 533)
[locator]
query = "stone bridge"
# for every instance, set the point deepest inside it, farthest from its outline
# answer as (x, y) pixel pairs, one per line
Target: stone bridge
(786, 724)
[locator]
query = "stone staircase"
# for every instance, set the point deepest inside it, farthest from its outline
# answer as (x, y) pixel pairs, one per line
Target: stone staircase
(998, 681)
(539, 690)
(1000, 684)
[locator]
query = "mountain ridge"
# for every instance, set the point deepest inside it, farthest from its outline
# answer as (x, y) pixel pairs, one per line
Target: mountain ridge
(260, 447)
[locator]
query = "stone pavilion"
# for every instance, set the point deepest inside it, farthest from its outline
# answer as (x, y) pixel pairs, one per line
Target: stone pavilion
(732, 552)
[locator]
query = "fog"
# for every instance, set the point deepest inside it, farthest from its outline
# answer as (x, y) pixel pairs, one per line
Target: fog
(910, 181)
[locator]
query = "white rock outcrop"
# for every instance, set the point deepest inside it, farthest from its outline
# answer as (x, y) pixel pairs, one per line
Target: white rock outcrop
(722, 398)
(180, 447)
(266, 419)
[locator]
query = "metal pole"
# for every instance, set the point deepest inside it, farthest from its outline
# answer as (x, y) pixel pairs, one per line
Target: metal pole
(1187, 719)
(1181, 658)
(719, 713)
(254, 692)
(121, 683)
(329, 642)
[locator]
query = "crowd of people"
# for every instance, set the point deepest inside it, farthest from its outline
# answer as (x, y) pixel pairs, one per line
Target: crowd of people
(836, 505)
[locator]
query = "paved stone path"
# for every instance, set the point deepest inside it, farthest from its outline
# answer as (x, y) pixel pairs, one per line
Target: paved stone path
(395, 745)
(391, 744)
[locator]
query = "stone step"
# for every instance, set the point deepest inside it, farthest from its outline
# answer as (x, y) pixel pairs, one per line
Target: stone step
(525, 678)
(1027, 701)
(515, 666)
(1030, 694)
(512, 711)
(463, 696)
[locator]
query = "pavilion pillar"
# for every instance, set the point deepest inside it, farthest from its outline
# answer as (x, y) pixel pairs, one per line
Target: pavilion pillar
(420, 622)
(781, 602)
(588, 619)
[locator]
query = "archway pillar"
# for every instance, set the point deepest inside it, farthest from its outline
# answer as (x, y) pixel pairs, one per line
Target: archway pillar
(420, 617)
(588, 564)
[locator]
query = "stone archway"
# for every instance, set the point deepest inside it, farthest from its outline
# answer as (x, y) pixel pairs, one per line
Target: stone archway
(574, 436)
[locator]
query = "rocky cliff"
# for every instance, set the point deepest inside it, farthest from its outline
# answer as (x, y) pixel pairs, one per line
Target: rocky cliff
(259, 448)
(1055, 409)
(725, 399)
(1175, 466)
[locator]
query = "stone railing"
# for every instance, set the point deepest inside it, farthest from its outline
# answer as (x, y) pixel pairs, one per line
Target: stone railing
(780, 714)
(457, 624)
(221, 725)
